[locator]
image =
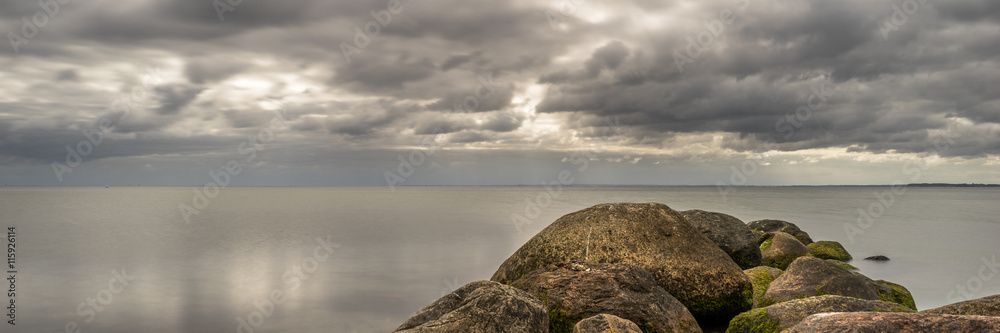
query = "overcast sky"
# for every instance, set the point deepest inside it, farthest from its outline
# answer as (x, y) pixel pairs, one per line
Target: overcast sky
(310, 92)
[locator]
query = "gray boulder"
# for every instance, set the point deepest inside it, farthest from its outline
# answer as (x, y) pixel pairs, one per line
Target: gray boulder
(810, 276)
(780, 249)
(481, 307)
(877, 322)
(782, 316)
(783, 226)
(605, 323)
(729, 233)
(573, 291)
(986, 306)
(649, 235)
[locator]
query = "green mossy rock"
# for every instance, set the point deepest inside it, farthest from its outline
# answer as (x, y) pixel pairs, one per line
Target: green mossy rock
(649, 235)
(829, 250)
(783, 226)
(780, 249)
(842, 264)
(761, 278)
(891, 292)
(782, 316)
(810, 276)
(753, 321)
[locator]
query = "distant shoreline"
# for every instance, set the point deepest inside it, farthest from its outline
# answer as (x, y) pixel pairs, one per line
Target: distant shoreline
(525, 185)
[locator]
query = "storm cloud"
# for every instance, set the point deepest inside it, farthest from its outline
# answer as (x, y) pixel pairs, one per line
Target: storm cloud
(814, 85)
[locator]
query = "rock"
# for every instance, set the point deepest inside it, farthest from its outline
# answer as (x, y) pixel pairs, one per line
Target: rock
(780, 249)
(876, 322)
(729, 233)
(986, 306)
(481, 306)
(605, 323)
(760, 278)
(891, 292)
(878, 258)
(630, 292)
(829, 250)
(782, 316)
(761, 236)
(783, 226)
(810, 276)
(650, 235)
(842, 264)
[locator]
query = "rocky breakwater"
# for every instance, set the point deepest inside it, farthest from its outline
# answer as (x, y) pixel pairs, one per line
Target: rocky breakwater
(631, 267)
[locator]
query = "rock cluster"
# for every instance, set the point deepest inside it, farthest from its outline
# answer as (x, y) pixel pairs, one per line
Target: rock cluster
(644, 267)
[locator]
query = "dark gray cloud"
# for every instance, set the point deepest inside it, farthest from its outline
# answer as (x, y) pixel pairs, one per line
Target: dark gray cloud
(67, 75)
(895, 89)
(174, 98)
(383, 73)
(211, 69)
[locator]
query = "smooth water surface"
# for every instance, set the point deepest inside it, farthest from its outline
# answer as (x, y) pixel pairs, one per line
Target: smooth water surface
(397, 251)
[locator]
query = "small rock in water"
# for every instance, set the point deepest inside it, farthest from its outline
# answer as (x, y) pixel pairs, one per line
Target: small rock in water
(878, 257)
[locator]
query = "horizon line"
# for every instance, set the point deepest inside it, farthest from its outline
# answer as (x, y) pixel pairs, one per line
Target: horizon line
(528, 185)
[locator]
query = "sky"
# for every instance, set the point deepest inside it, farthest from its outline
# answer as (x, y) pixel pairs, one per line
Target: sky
(442, 92)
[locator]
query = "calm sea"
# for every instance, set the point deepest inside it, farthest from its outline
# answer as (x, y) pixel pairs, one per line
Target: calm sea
(389, 253)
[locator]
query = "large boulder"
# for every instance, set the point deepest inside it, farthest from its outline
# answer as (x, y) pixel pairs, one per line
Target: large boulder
(650, 235)
(782, 316)
(573, 291)
(829, 250)
(842, 264)
(482, 307)
(729, 233)
(810, 276)
(761, 277)
(877, 322)
(986, 306)
(892, 292)
(783, 226)
(780, 249)
(605, 323)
